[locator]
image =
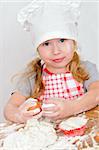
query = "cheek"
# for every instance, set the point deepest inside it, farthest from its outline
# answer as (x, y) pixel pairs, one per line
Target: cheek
(44, 54)
(69, 55)
(69, 48)
(69, 52)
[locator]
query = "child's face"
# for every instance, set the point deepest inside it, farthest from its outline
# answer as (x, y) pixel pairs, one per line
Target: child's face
(56, 54)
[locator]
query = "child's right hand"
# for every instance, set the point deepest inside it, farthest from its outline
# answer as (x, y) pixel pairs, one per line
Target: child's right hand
(23, 114)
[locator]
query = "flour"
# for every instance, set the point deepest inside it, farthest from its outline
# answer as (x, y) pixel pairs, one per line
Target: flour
(39, 134)
(35, 135)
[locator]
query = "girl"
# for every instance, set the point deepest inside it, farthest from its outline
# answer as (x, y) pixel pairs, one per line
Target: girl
(57, 76)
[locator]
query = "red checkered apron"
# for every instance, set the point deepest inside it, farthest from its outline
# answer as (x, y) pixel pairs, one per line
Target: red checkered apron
(61, 85)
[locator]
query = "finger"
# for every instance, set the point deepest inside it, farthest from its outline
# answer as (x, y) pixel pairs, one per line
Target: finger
(50, 114)
(24, 107)
(53, 108)
(19, 118)
(58, 121)
(50, 101)
(38, 116)
(32, 112)
(27, 118)
(28, 104)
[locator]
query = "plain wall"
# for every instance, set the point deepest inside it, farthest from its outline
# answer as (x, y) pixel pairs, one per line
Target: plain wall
(16, 46)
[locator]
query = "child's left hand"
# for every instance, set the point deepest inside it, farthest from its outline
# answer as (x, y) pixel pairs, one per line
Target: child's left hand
(61, 109)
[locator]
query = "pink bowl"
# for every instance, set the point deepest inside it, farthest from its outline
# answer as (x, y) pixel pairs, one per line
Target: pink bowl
(75, 132)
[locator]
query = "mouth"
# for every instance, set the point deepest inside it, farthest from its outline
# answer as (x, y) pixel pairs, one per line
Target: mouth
(58, 60)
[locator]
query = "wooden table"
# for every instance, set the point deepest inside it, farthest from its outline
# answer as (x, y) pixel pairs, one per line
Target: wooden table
(93, 116)
(92, 127)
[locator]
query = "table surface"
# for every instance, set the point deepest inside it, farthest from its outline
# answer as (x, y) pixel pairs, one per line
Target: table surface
(92, 126)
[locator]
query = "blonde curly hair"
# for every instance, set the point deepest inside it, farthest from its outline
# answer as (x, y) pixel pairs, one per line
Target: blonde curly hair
(35, 68)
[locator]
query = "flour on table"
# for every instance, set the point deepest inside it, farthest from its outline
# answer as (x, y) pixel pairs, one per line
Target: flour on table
(39, 134)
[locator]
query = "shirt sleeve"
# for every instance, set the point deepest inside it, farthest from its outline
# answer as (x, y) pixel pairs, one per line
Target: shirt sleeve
(25, 86)
(93, 73)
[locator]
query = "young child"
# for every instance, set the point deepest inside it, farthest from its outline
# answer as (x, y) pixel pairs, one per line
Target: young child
(57, 76)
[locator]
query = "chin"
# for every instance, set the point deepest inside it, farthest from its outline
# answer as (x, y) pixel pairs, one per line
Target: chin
(59, 65)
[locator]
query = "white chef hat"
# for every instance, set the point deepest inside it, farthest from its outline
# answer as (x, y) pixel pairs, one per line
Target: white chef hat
(49, 19)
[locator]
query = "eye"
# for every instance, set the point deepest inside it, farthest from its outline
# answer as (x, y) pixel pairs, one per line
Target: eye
(46, 44)
(62, 40)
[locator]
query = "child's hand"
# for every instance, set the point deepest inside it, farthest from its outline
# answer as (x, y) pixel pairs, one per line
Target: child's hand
(24, 114)
(60, 110)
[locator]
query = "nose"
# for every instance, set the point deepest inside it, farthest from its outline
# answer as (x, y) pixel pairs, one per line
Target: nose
(56, 48)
